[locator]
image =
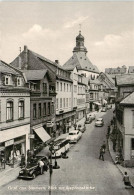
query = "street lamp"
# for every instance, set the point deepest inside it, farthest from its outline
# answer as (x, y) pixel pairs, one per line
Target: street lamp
(51, 167)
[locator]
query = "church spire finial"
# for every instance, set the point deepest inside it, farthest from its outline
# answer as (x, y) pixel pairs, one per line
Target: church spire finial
(80, 28)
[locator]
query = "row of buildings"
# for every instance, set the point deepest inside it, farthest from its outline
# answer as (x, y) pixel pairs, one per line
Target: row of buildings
(40, 99)
(124, 112)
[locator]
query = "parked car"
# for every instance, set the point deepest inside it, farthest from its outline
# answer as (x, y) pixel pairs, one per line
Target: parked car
(92, 116)
(99, 122)
(74, 136)
(88, 120)
(32, 169)
(104, 109)
(81, 127)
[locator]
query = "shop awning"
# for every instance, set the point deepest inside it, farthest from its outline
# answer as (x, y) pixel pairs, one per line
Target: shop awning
(97, 103)
(42, 134)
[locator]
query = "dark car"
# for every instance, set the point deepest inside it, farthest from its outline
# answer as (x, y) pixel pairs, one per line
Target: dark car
(88, 120)
(32, 169)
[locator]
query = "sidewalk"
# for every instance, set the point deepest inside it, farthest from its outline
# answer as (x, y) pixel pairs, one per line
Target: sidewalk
(9, 174)
(122, 169)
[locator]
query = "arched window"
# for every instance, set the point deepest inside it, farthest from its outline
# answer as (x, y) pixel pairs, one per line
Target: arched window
(9, 110)
(21, 109)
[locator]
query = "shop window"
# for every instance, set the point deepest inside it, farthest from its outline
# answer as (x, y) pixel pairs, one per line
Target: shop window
(132, 143)
(49, 112)
(21, 109)
(39, 110)
(34, 111)
(9, 111)
(44, 109)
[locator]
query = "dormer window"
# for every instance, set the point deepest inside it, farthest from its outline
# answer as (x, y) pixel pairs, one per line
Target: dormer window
(18, 81)
(7, 80)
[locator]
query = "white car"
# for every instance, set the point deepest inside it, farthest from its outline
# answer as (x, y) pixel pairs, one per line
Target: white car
(99, 122)
(92, 116)
(74, 136)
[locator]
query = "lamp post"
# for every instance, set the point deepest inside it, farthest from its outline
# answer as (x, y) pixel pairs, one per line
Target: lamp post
(51, 167)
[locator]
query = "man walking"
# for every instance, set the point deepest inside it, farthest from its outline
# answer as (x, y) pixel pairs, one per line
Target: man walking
(102, 151)
(41, 166)
(127, 181)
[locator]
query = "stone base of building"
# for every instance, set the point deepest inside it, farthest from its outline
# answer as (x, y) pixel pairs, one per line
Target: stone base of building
(128, 163)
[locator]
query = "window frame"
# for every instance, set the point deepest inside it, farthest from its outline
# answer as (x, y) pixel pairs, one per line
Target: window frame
(23, 111)
(10, 112)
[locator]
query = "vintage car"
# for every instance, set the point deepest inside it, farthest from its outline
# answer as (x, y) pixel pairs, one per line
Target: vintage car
(31, 170)
(74, 136)
(81, 127)
(92, 116)
(99, 122)
(88, 120)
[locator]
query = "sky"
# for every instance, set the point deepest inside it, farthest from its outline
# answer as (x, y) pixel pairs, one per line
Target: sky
(50, 29)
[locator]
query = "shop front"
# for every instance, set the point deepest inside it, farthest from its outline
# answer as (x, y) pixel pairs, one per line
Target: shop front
(13, 143)
(41, 137)
(12, 151)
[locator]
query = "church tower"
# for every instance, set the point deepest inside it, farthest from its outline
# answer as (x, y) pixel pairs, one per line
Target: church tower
(80, 44)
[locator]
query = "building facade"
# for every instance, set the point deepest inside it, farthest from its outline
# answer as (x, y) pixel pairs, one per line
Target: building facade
(14, 115)
(124, 134)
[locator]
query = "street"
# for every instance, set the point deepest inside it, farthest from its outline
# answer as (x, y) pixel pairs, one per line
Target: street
(82, 173)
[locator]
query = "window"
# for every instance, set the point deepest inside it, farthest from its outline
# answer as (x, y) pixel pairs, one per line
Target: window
(52, 108)
(9, 110)
(39, 110)
(75, 88)
(70, 87)
(64, 86)
(60, 102)
(64, 103)
(132, 143)
(21, 109)
(44, 87)
(67, 102)
(0, 110)
(49, 112)
(67, 87)
(57, 86)
(34, 111)
(7, 80)
(61, 86)
(44, 109)
(18, 81)
(57, 103)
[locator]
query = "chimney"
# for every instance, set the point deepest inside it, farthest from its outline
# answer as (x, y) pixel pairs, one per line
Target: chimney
(57, 61)
(25, 57)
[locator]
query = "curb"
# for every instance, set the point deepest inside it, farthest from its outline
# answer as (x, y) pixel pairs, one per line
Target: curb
(113, 158)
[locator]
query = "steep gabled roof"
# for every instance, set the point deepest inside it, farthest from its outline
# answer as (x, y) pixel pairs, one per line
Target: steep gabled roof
(6, 68)
(126, 79)
(81, 61)
(34, 74)
(128, 99)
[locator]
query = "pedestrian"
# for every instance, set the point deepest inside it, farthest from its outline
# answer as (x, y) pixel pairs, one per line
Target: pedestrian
(41, 166)
(108, 131)
(102, 151)
(127, 180)
(22, 164)
(104, 146)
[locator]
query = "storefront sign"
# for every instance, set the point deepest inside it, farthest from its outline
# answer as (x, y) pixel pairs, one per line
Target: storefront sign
(31, 136)
(8, 143)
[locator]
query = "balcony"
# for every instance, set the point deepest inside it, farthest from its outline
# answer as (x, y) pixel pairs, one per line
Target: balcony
(75, 108)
